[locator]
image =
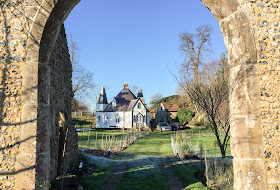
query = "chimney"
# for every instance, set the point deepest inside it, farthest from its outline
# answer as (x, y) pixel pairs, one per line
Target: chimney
(125, 85)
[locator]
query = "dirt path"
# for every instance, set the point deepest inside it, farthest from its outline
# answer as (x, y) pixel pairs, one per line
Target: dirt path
(173, 182)
(115, 177)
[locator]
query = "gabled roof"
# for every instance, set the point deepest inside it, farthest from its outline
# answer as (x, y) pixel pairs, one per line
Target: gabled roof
(125, 101)
(133, 103)
(169, 106)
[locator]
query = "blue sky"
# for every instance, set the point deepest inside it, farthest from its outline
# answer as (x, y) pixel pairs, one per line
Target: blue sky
(136, 41)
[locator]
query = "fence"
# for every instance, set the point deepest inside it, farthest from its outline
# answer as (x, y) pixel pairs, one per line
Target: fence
(193, 144)
(109, 142)
(80, 113)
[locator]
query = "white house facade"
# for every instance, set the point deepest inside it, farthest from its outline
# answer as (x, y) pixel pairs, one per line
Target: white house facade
(125, 111)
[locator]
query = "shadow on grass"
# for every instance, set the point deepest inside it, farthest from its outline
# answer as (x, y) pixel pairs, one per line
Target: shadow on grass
(189, 175)
(143, 174)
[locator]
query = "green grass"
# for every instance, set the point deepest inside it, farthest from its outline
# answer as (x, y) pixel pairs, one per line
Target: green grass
(88, 138)
(143, 174)
(143, 171)
(201, 138)
(156, 144)
(84, 121)
(186, 174)
(96, 178)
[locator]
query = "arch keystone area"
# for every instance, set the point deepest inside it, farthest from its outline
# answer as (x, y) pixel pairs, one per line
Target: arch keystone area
(30, 135)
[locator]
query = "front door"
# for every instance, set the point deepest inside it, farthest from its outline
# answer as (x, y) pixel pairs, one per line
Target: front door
(139, 120)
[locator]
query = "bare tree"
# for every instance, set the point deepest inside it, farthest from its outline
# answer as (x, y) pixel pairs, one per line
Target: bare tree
(82, 79)
(155, 99)
(134, 89)
(210, 94)
(78, 106)
(193, 46)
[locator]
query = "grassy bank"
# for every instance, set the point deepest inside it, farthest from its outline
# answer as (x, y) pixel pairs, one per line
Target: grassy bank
(187, 173)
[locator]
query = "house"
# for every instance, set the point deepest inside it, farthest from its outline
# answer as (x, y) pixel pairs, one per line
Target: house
(167, 112)
(125, 111)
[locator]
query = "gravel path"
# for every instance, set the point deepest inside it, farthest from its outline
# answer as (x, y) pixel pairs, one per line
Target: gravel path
(122, 165)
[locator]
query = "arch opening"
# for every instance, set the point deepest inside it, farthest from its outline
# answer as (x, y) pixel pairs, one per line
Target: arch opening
(246, 39)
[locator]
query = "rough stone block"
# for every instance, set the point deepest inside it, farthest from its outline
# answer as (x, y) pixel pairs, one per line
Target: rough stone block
(249, 174)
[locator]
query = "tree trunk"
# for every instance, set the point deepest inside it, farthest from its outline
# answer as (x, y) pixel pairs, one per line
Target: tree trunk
(222, 150)
(195, 74)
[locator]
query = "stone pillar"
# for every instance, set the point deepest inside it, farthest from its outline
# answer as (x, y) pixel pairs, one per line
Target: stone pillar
(23, 126)
(251, 33)
(246, 131)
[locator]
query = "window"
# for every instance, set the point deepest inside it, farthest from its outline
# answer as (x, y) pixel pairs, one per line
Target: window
(117, 117)
(134, 118)
(139, 106)
(99, 118)
(143, 118)
(105, 119)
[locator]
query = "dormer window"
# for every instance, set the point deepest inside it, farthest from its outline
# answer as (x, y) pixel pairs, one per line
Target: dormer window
(114, 103)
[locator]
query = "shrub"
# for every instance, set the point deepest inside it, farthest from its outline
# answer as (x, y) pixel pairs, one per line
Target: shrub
(198, 123)
(219, 173)
(180, 144)
(185, 115)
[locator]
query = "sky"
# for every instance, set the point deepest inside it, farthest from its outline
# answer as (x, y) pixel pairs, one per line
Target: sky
(136, 41)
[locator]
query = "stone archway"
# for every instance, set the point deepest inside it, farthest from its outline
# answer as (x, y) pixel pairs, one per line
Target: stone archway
(30, 30)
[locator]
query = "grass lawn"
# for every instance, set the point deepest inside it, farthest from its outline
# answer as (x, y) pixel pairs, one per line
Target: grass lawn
(143, 174)
(96, 175)
(143, 170)
(186, 173)
(96, 178)
(156, 144)
(93, 139)
(84, 121)
(200, 138)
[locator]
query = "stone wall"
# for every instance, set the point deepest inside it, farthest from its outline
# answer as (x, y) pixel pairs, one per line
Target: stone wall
(12, 56)
(36, 138)
(57, 140)
(268, 44)
(63, 137)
